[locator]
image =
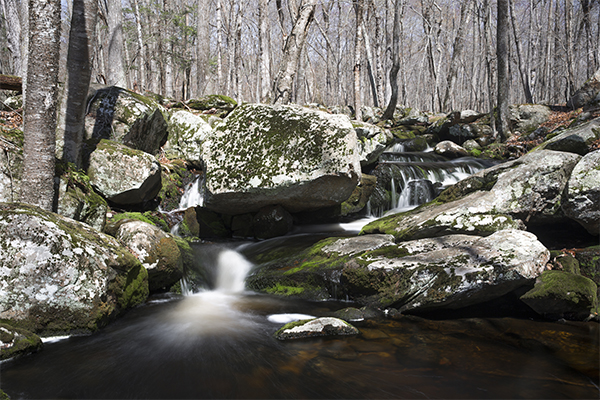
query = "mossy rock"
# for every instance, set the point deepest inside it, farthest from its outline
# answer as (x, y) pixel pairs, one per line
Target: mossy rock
(213, 101)
(316, 327)
(559, 294)
(16, 342)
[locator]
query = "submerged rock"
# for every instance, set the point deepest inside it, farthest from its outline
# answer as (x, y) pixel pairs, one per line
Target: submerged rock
(296, 157)
(124, 175)
(325, 326)
(59, 275)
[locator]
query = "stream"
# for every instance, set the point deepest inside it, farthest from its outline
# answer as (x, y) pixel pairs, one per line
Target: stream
(218, 342)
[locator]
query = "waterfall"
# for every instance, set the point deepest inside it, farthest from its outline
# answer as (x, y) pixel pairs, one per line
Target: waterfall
(193, 195)
(232, 269)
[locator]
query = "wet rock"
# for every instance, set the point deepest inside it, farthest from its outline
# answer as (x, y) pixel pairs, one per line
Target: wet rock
(157, 251)
(559, 294)
(16, 342)
(59, 275)
(123, 175)
(360, 196)
(272, 221)
(187, 132)
(576, 140)
(350, 314)
(325, 326)
(582, 202)
(450, 149)
(288, 155)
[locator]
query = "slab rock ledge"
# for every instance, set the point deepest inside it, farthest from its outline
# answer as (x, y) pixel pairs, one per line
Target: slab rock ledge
(262, 155)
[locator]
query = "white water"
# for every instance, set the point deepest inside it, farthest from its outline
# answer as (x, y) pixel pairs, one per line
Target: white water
(193, 195)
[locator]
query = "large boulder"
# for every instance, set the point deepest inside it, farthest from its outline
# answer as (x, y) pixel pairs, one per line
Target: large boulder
(124, 175)
(157, 251)
(588, 94)
(126, 117)
(582, 195)
(575, 140)
(452, 271)
(59, 275)
(186, 134)
(296, 157)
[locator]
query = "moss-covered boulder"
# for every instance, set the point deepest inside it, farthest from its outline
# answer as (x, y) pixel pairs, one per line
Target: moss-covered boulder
(214, 103)
(288, 155)
(123, 175)
(11, 164)
(560, 294)
(186, 134)
(16, 342)
(576, 140)
(157, 251)
(582, 196)
(78, 200)
(126, 117)
(316, 327)
(59, 275)
(453, 271)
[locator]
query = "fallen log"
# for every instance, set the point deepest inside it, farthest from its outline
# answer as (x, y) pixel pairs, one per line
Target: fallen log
(10, 82)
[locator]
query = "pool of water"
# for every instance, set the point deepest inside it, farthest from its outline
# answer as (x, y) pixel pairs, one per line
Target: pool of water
(220, 345)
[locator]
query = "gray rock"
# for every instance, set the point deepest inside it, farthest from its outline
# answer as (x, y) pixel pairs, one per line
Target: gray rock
(79, 202)
(126, 117)
(157, 251)
(583, 193)
(325, 326)
(471, 145)
(528, 117)
(123, 175)
(372, 142)
(468, 116)
(288, 155)
(450, 149)
(186, 134)
(575, 140)
(60, 275)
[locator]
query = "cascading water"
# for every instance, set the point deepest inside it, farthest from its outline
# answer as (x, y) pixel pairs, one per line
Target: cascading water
(409, 179)
(193, 195)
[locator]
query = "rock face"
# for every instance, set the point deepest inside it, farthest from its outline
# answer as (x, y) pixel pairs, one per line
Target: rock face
(325, 326)
(59, 275)
(452, 271)
(186, 134)
(123, 175)
(583, 193)
(157, 251)
(292, 156)
(126, 117)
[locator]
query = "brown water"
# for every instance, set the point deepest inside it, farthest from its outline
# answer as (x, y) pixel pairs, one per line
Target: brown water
(220, 345)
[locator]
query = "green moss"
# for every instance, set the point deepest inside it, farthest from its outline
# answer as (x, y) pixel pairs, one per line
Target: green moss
(3, 396)
(132, 288)
(564, 285)
(22, 341)
(281, 290)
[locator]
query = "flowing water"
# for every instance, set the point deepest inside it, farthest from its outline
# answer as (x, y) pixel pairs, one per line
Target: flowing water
(218, 342)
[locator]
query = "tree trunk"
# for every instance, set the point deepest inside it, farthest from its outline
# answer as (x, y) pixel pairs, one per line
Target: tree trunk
(141, 49)
(39, 120)
(358, 9)
(391, 107)
(116, 67)
(10, 82)
(370, 63)
(503, 77)
(282, 87)
(264, 50)
(457, 49)
(79, 71)
(203, 47)
(522, 73)
(10, 10)
(219, 48)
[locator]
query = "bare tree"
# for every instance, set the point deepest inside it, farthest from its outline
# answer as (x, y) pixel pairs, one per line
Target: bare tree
(282, 87)
(358, 43)
(502, 29)
(264, 49)
(116, 68)
(39, 120)
(391, 107)
(457, 50)
(10, 10)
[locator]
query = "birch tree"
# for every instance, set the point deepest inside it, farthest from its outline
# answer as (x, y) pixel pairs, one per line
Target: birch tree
(39, 120)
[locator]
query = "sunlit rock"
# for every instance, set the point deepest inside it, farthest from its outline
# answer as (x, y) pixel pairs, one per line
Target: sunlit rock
(575, 140)
(324, 326)
(288, 155)
(124, 175)
(60, 275)
(583, 193)
(186, 134)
